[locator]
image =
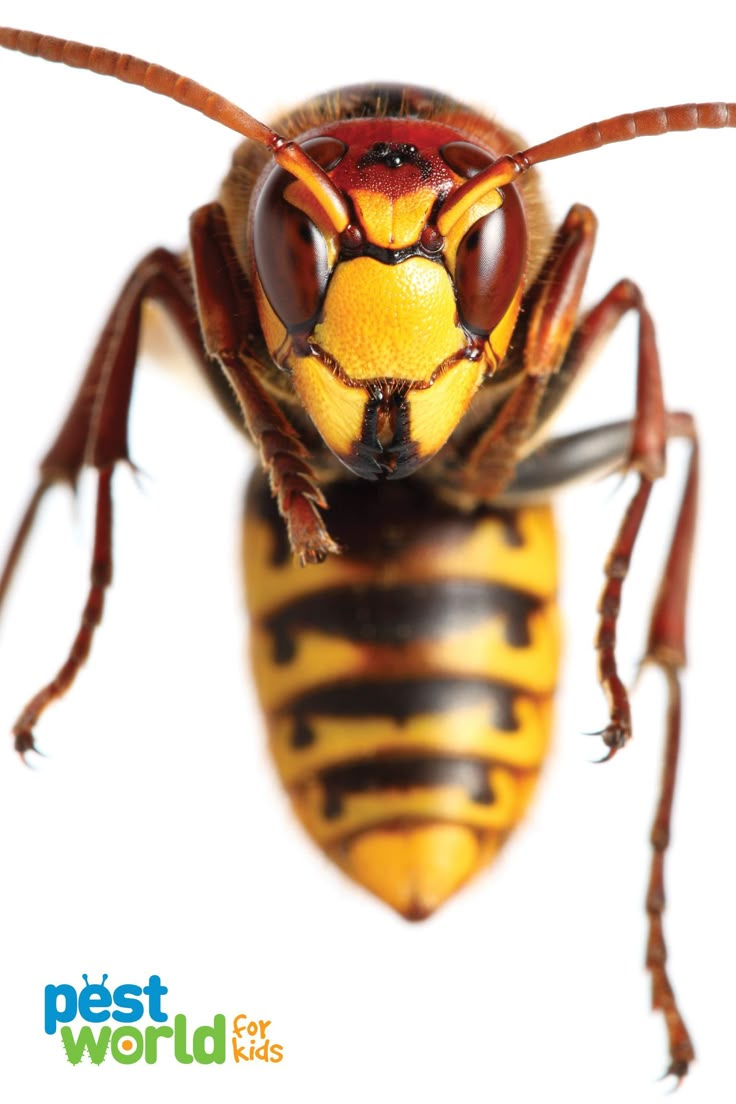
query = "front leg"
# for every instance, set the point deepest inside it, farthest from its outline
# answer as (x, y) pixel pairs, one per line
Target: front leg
(227, 314)
(95, 434)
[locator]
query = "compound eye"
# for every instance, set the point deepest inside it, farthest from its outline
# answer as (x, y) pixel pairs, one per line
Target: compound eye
(490, 265)
(465, 159)
(290, 252)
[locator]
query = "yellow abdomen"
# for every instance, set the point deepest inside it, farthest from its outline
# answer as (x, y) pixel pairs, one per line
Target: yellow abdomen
(407, 684)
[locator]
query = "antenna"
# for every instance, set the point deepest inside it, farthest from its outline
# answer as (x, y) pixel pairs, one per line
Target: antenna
(165, 82)
(621, 128)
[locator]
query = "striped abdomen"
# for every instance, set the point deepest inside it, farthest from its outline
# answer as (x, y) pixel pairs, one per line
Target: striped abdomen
(407, 683)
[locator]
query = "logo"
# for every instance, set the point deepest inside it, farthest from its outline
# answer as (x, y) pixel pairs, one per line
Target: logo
(128, 1024)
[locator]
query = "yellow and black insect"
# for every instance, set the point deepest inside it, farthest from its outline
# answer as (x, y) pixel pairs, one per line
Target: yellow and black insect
(408, 683)
(377, 294)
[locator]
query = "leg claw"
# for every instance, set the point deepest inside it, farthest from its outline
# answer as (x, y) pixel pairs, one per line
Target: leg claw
(615, 736)
(25, 744)
(677, 1069)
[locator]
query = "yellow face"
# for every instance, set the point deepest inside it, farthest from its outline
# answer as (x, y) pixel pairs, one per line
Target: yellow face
(385, 347)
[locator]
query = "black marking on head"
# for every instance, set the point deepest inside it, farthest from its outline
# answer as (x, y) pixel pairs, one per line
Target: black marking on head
(369, 458)
(425, 247)
(395, 155)
(402, 454)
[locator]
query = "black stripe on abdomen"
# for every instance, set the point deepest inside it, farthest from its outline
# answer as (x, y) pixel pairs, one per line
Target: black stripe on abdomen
(373, 776)
(401, 699)
(403, 613)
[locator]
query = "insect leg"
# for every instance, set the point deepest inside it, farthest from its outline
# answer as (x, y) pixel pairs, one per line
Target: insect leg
(604, 449)
(599, 451)
(666, 648)
(646, 456)
(554, 353)
(640, 445)
(646, 452)
(94, 434)
(650, 429)
(227, 315)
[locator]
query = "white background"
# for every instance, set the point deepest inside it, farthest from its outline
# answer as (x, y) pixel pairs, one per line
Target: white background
(154, 837)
